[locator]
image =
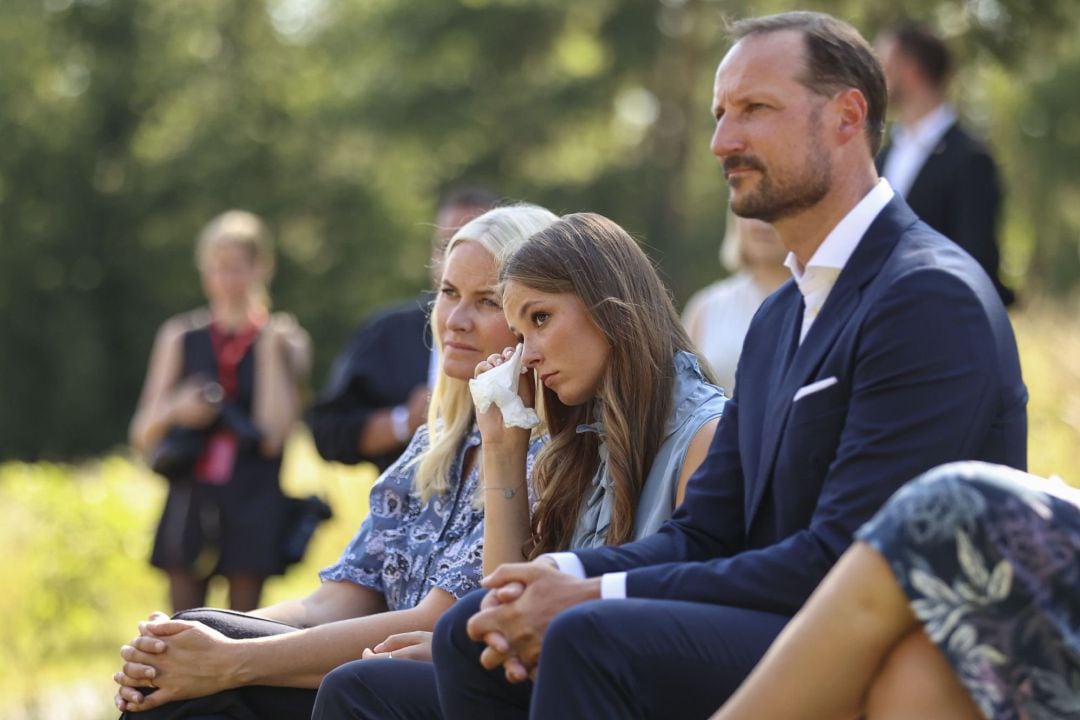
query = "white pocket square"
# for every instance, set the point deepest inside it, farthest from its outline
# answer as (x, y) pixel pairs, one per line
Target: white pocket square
(816, 386)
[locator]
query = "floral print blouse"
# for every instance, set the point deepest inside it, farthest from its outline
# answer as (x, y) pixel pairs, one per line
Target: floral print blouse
(407, 546)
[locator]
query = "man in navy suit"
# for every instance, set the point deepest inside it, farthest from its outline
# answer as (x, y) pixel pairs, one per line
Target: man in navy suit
(945, 173)
(889, 353)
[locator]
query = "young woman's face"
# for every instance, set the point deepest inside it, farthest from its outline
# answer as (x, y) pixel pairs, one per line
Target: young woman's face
(562, 343)
(228, 274)
(468, 317)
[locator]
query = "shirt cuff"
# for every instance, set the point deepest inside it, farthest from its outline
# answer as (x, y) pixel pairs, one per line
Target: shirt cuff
(613, 586)
(568, 563)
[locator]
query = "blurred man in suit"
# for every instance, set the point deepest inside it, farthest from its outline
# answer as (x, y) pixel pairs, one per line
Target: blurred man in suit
(947, 175)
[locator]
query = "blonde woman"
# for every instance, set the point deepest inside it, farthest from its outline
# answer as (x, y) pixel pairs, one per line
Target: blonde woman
(417, 552)
(631, 414)
(718, 316)
(221, 395)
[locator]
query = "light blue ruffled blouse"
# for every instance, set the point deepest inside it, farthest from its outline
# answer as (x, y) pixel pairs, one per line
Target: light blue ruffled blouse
(695, 402)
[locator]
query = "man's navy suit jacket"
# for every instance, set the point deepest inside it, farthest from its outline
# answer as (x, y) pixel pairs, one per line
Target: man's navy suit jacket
(926, 372)
(957, 192)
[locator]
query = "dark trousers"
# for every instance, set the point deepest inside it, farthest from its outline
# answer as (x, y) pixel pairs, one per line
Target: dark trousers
(628, 658)
(376, 689)
(254, 702)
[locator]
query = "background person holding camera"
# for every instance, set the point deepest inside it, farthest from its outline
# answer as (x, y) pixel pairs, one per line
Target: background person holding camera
(221, 395)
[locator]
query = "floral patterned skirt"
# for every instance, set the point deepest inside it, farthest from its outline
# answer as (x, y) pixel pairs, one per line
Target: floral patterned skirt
(990, 560)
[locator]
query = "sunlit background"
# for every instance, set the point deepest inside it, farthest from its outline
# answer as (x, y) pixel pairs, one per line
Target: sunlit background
(126, 124)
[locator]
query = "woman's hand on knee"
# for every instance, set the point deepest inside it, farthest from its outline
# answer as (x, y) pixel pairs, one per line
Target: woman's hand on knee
(414, 645)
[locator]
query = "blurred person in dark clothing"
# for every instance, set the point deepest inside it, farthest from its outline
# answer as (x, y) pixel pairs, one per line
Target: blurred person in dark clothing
(222, 393)
(947, 175)
(377, 393)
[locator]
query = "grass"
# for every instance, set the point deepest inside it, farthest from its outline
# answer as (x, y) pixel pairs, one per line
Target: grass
(76, 539)
(77, 580)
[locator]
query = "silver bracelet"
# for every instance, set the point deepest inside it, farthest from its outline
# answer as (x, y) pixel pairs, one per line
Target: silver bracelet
(508, 492)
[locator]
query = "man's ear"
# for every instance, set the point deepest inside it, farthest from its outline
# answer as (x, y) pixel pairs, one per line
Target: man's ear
(850, 108)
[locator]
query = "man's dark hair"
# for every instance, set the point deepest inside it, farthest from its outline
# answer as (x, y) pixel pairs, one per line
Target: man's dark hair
(929, 52)
(837, 57)
(472, 196)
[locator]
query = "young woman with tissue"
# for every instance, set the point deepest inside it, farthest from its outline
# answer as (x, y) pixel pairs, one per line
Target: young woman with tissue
(630, 412)
(415, 554)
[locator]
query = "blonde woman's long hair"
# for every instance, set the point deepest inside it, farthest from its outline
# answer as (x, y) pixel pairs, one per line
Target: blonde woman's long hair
(592, 257)
(450, 414)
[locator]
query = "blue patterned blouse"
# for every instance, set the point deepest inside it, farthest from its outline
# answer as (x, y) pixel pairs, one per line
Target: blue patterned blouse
(406, 546)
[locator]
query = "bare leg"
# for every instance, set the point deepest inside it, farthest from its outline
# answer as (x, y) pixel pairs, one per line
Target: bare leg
(823, 664)
(244, 592)
(917, 682)
(186, 590)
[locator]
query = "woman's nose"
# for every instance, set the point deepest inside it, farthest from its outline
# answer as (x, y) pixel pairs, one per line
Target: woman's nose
(530, 354)
(460, 318)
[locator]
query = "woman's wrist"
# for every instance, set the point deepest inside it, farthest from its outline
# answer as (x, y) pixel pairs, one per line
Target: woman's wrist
(512, 444)
(239, 668)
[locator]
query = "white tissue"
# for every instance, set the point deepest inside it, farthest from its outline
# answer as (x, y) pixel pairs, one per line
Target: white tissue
(499, 385)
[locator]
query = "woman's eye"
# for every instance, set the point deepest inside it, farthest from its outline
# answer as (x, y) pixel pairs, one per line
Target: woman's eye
(448, 292)
(491, 303)
(539, 318)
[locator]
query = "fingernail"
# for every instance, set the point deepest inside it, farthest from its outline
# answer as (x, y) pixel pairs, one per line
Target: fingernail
(151, 673)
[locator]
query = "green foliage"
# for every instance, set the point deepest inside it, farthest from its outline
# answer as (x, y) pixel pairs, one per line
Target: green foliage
(127, 124)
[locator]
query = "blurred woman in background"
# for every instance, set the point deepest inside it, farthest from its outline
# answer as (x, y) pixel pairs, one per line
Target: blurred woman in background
(718, 316)
(222, 393)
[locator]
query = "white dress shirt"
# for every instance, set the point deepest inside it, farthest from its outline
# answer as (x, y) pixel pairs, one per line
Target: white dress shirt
(815, 281)
(912, 146)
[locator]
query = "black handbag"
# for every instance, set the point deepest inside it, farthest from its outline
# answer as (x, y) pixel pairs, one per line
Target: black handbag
(175, 455)
(304, 515)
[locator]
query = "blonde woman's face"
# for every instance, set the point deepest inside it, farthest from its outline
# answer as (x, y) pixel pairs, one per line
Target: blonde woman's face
(228, 274)
(468, 316)
(562, 343)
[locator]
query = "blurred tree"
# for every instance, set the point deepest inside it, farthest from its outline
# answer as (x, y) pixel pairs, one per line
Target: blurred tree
(126, 124)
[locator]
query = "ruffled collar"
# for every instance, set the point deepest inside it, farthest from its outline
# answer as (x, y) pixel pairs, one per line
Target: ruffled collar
(594, 518)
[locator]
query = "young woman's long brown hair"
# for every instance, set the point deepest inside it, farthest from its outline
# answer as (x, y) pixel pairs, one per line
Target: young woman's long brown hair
(592, 257)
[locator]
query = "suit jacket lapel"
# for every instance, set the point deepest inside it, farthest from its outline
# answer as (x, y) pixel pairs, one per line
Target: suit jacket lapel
(876, 245)
(775, 416)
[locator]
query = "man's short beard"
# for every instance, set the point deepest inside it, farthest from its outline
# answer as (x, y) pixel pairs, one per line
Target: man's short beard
(769, 202)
